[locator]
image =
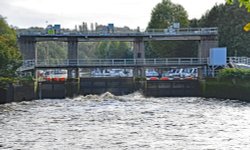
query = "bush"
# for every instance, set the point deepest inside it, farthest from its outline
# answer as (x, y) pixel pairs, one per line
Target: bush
(233, 73)
(5, 81)
(231, 84)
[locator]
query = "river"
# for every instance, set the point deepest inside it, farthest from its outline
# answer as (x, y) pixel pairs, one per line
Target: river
(125, 122)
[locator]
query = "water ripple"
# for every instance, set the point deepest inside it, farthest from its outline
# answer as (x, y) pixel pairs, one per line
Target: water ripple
(125, 122)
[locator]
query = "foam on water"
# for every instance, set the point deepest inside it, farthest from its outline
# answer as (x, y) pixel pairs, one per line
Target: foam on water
(110, 96)
(93, 97)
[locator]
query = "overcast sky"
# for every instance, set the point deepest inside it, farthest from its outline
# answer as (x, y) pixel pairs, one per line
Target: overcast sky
(68, 13)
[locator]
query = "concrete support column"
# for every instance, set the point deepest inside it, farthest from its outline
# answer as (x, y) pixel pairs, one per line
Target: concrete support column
(72, 56)
(204, 47)
(139, 49)
(27, 47)
(139, 53)
(72, 48)
(200, 73)
(139, 72)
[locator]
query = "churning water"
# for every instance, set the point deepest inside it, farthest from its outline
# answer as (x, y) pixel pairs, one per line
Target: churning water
(125, 122)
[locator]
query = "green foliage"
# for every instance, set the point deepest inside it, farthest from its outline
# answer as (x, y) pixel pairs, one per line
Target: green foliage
(230, 20)
(233, 73)
(51, 50)
(109, 50)
(245, 3)
(9, 55)
(166, 13)
(7, 80)
(163, 16)
(87, 50)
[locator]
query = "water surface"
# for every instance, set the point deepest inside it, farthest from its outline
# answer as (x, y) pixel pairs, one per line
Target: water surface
(125, 122)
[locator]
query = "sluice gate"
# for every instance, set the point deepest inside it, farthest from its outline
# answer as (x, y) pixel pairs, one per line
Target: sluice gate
(173, 88)
(119, 86)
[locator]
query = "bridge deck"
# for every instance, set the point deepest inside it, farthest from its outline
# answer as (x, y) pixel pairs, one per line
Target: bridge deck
(113, 63)
(152, 34)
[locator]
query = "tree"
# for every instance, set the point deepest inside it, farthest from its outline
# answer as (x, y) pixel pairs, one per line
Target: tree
(9, 55)
(231, 34)
(163, 16)
(246, 4)
(51, 50)
(113, 50)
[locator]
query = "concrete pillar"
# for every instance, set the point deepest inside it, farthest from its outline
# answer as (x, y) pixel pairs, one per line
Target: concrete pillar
(139, 53)
(27, 47)
(72, 48)
(204, 47)
(139, 72)
(200, 73)
(72, 56)
(139, 49)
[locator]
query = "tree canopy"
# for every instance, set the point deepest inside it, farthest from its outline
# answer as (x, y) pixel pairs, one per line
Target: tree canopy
(230, 20)
(9, 53)
(113, 50)
(166, 13)
(245, 3)
(162, 17)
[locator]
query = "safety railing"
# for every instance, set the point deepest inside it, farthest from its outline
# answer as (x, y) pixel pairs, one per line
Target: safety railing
(239, 60)
(155, 62)
(114, 62)
(167, 31)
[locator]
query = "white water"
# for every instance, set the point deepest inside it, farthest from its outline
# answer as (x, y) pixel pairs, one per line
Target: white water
(125, 122)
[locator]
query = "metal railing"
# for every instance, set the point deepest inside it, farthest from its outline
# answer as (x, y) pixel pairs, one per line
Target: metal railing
(167, 31)
(239, 60)
(114, 62)
(154, 62)
(184, 31)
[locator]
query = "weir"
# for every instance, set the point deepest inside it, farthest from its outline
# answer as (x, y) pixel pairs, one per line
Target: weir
(207, 38)
(118, 86)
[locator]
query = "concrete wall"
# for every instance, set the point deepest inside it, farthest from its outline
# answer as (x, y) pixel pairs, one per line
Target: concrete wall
(17, 93)
(52, 90)
(116, 86)
(175, 88)
(204, 47)
(3, 95)
(27, 47)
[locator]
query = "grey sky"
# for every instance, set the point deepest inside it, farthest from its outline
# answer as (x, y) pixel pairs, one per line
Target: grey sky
(68, 13)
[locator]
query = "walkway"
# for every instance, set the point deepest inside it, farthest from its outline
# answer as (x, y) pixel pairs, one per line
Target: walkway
(113, 63)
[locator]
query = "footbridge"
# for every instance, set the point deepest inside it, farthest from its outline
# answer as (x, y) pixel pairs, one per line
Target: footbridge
(207, 38)
(30, 65)
(113, 63)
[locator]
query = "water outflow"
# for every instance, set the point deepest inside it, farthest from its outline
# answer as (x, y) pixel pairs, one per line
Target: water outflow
(125, 122)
